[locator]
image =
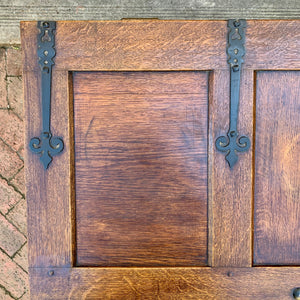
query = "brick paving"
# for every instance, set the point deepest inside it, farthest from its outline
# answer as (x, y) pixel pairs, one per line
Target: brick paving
(13, 233)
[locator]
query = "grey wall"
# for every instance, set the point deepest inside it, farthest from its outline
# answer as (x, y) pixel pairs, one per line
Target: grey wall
(13, 11)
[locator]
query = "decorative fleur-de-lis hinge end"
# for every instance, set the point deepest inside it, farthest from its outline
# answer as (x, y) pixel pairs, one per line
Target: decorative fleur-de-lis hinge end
(234, 143)
(231, 145)
(46, 145)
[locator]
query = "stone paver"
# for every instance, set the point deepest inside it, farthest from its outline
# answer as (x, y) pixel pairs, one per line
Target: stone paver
(8, 197)
(4, 295)
(15, 95)
(11, 129)
(19, 181)
(14, 61)
(18, 216)
(11, 240)
(10, 161)
(12, 277)
(3, 89)
(21, 257)
(21, 152)
(13, 246)
(26, 296)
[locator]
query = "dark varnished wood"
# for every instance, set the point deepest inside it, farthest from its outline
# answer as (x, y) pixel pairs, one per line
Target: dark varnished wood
(277, 169)
(141, 168)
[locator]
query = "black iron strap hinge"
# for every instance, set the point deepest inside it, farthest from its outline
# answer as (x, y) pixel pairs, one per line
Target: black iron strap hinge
(234, 143)
(46, 145)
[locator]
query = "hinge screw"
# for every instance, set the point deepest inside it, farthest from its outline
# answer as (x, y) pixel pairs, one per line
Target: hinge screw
(296, 293)
(236, 23)
(229, 274)
(46, 25)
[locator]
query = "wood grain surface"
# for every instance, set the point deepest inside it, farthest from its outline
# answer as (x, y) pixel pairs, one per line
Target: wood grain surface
(266, 186)
(48, 193)
(137, 45)
(167, 45)
(277, 169)
(141, 168)
(165, 283)
(231, 190)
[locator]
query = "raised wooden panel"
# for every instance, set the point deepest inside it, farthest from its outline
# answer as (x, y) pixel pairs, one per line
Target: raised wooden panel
(277, 169)
(141, 168)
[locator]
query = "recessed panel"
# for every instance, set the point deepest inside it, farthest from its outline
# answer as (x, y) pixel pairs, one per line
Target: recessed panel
(277, 169)
(141, 168)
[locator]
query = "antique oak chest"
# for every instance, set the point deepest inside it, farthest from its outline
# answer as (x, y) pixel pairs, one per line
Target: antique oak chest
(162, 159)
